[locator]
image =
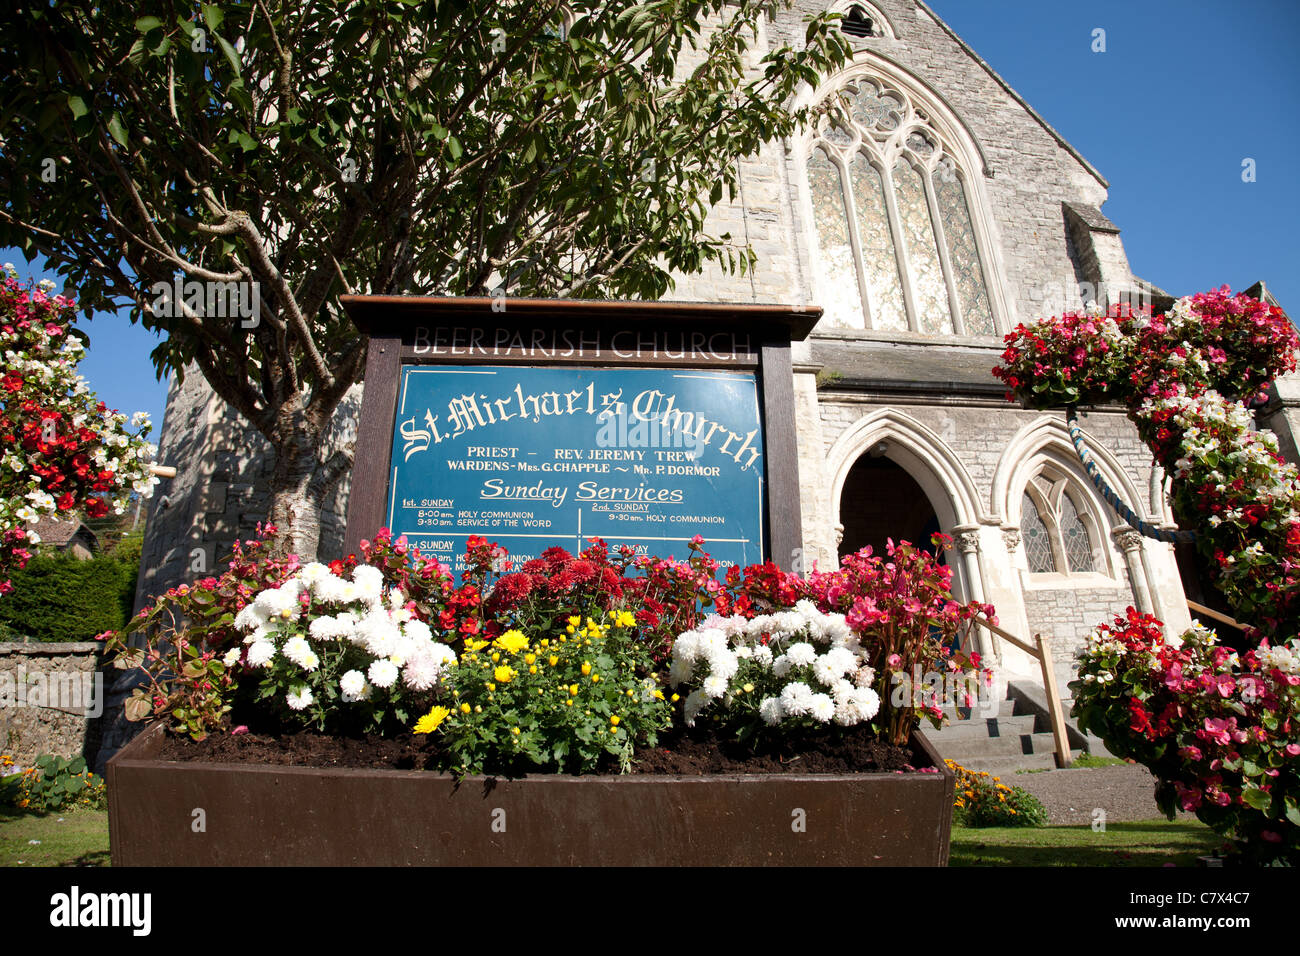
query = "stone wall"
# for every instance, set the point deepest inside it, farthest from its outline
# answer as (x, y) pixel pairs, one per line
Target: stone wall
(47, 704)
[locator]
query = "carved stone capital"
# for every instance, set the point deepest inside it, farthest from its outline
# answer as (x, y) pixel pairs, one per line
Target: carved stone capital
(968, 542)
(1011, 537)
(1128, 539)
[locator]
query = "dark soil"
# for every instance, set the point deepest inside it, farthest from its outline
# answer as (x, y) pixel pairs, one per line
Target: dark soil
(689, 753)
(704, 751)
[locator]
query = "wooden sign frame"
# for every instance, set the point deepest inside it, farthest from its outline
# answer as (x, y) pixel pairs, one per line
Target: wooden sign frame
(407, 330)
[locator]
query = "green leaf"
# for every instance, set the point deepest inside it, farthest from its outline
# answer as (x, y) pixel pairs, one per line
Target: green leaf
(453, 148)
(1256, 797)
(212, 16)
(232, 56)
(115, 130)
(145, 24)
(78, 106)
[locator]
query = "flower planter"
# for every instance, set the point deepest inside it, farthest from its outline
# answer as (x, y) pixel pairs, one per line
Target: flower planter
(167, 813)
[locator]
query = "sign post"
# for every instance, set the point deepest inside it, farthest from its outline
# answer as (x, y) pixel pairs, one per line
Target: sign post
(552, 422)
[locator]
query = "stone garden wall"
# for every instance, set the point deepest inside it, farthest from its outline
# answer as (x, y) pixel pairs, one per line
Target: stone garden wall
(49, 699)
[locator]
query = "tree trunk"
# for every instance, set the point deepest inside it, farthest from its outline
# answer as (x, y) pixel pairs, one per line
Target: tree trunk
(295, 510)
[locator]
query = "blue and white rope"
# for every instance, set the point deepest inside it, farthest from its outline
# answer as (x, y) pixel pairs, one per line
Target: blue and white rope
(1123, 510)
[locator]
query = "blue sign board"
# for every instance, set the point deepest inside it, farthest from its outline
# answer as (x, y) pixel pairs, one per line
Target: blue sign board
(538, 457)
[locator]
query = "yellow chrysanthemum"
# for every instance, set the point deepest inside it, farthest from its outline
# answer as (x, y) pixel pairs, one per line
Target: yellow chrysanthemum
(553, 660)
(473, 645)
(504, 674)
(625, 619)
(586, 668)
(512, 641)
(575, 620)
(614, 720)
(432, 720)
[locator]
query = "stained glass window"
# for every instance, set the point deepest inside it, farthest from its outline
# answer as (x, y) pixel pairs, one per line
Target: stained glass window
(1038, 545)
(841, 299)
(968, 274)
(880, 265)
(902, 225)
(1074, 537)
(928, 287)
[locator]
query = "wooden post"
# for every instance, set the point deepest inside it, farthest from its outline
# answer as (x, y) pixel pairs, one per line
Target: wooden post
(1054, 712)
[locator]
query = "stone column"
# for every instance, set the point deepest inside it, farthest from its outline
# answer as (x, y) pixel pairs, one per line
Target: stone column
(968, 543)
(1130, 542)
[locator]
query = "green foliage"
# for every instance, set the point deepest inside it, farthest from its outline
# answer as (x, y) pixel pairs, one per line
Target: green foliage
(60, 598)
(576, 694)
(54, 783)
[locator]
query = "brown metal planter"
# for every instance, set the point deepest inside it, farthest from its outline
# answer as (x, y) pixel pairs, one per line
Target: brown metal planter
(255, 815)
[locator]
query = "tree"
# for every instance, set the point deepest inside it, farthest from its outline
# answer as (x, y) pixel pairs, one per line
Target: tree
(277, 154)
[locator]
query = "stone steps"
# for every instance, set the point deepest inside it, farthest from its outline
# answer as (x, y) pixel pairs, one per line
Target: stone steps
(1018, 738)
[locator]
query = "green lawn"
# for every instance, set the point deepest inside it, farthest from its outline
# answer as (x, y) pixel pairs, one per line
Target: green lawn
(71, 838)
(1144, 843)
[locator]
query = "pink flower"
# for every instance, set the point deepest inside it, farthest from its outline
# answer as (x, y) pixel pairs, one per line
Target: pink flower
(893, 660)
(1270, 836)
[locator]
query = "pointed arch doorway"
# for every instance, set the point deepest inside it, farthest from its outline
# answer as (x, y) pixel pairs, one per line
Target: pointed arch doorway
(881, 501)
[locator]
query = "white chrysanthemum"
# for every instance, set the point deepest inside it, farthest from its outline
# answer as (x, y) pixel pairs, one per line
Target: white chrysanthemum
(418, 631)
(763, 655)
(383, 673)
(276, 601)
(335, 590)
(232, 657)
(712, 641)
(801, 653)
(297, 650)
(723, 664)
(250, 618)
(421, 672)
(352, 684)
(333, 628)
(299, 697)
(260, 653)
(822, 708)
(695, 700)
(396, 599)
(796, 698)
(370, 583)
(378, 634)
(744, 652)
(865, 676)
(312, 574)
(771, 711)
(686, 647)
(680, 671)
(868, 702)
(826, 671)
(781, 666)
(714, 686)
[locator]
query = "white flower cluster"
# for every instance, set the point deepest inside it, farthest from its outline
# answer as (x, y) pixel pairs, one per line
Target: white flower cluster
(786, 654)
(395, 645)
(1284, 657)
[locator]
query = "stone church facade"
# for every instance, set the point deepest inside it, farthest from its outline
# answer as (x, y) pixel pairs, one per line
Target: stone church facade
(928, 214)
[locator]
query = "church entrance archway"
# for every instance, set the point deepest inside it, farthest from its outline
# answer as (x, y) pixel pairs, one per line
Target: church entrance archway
(882, 501)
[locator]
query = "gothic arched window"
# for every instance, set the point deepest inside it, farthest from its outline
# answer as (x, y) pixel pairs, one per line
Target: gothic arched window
(896, 247)
(1058, 535)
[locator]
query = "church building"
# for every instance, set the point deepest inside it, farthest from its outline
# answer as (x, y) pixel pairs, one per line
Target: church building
(929, 211)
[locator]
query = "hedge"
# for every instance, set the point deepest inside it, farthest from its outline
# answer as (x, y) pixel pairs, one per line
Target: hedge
(59, 598)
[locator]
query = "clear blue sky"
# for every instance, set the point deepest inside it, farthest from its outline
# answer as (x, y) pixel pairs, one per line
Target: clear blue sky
(1185, 91)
